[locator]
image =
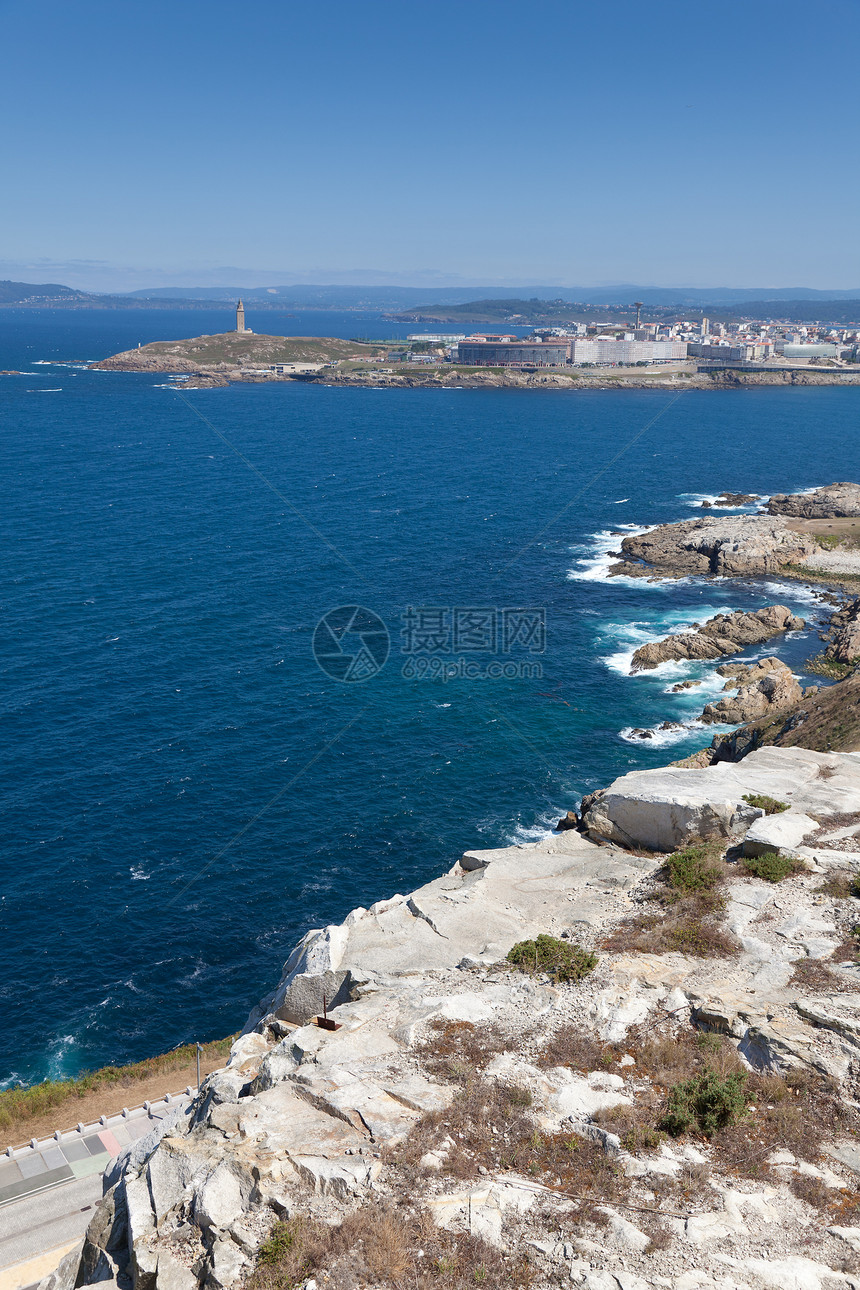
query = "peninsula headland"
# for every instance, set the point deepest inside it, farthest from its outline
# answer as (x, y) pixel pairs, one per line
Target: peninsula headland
(232, 357)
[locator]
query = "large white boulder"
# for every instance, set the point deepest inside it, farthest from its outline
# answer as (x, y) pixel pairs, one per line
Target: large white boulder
(663, 809)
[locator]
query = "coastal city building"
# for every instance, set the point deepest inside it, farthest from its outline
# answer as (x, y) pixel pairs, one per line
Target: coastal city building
(507, 351)
(558, 351)
(746, 351)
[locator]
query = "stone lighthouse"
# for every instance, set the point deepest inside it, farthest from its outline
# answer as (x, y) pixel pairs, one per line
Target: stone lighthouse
(240, 317)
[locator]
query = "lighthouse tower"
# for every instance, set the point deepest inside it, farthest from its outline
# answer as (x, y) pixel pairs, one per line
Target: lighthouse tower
(240, 317)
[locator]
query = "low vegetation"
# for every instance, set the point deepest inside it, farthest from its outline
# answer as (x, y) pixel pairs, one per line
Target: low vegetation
(458, 1050)
(812, 974)
(770, 805)
(842, 884)
(385, 1246)
(690, 902)
(771, 866)
(564, 961)
(705, 1103)
(696, 868)
(17, 1105)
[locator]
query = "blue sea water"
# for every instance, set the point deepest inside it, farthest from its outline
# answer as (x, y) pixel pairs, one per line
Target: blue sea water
(184, 791)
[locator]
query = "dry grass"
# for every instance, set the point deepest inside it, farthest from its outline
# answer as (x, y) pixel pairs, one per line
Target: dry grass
(488, 1128)
(633, 1124)
(668, 1057)
(63, 1100)
(812, 974)
(580, 1050)
(383, 1246)
(848, 951)
(690, 901)
(800, 1112)
(841, 884)
(840, 820)
(458, 1050)
(687, 930)
(812, 1191)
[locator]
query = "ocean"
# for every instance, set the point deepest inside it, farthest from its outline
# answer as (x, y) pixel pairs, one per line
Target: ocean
(185, 789)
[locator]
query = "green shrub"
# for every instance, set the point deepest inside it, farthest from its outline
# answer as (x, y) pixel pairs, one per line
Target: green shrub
(281, 1242)
(563, 960)
(696, 868)
(770, 805)
(706, 1102)
(771, 866)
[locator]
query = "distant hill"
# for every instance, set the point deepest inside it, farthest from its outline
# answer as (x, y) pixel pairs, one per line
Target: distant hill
(535, 312)
(319, 296)
(19, 293)
(532, 306)
(837, 313)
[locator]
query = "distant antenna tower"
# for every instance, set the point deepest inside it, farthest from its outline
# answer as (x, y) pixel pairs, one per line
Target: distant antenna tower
(637, 305)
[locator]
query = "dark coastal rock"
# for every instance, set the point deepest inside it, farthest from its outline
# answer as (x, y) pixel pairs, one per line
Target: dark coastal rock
(721, 635)
(732, 499)
(737, 545)
(762, 689)
(737, 499)
(844, 634)
(569, 821)
(833, 501)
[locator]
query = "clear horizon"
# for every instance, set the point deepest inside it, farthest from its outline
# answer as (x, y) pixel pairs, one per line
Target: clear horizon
(463, 145)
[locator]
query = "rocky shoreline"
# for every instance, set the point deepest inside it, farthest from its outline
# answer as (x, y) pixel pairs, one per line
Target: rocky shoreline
(309, 1126)
(625, 1057)
(813, 536)
(231, 358)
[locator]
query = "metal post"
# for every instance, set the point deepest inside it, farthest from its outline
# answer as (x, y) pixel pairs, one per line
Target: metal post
(198, 1068)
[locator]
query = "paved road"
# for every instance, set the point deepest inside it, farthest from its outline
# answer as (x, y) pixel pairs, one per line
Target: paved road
(48, 1191)
(40, 1223)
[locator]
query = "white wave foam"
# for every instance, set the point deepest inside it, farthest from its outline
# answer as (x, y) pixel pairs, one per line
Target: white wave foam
(677, 735)
(621, 501)
(696, 499)
(796, 591)
(543, 827)
(596, 560)
(635, 634)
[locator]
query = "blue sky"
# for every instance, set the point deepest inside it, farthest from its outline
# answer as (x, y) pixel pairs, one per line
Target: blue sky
(549, 142)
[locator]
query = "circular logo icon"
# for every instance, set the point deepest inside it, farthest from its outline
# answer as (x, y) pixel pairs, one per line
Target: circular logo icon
(351, 643)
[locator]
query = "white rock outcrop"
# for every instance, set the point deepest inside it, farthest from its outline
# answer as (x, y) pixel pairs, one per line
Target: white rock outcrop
(303, 1117)
(663, 809)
